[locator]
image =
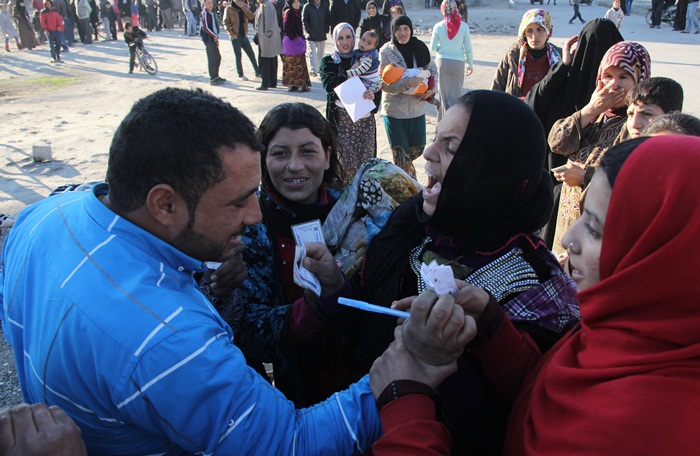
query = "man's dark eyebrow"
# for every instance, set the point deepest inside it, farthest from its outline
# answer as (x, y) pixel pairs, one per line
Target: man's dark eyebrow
(243, 198)
(594, 217)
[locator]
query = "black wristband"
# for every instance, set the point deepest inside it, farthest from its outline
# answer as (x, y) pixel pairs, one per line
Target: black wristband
(401, 388)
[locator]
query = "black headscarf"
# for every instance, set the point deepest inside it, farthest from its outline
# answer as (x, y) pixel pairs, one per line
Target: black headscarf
(292, 21)
(495, 188)
(20, 10)
(596, 37)
(374, 23)
(414, 48)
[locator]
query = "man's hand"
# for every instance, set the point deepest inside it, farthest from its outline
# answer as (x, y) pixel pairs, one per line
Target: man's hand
(230, 275)
(320, 262)
(397, 363)
(438, 328)
(38, 430)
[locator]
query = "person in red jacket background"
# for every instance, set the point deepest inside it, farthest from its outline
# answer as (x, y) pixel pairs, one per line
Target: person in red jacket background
(52, 23)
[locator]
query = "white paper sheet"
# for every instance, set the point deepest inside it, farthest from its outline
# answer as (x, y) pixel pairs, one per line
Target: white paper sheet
(350, 93)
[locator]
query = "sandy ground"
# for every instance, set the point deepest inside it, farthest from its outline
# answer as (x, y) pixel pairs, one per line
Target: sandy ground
(76, 106)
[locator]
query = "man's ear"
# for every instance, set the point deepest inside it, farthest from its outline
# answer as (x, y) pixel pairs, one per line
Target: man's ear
(166, 206)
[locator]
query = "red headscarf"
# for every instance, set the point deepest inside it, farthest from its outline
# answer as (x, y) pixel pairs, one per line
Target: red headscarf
(451, 14)
(628, 382)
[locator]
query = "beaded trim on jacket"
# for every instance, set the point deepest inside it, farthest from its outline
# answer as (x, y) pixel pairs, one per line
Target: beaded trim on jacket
(508, 274)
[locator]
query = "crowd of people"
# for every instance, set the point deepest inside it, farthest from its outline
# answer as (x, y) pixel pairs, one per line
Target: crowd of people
(569, 323)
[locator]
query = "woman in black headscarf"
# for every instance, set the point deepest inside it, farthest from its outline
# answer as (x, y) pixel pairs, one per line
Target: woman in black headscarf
(24, 25)
(568, 87)
(488, 193)
(374, 22)
(404, 114)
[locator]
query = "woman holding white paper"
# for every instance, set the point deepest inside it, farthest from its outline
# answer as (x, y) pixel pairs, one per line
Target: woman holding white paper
(358, 139)
(273, 319)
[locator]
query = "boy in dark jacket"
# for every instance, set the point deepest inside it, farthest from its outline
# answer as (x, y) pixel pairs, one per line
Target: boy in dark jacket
(133, 37)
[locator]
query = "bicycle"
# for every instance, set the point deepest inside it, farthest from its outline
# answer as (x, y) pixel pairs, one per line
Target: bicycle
(146, 60)
(668, 15)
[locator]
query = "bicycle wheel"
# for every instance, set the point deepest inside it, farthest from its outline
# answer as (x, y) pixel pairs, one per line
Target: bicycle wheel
(148, 63)
(571, 2)
(648, 17)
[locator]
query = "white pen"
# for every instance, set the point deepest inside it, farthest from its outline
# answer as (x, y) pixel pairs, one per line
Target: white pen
(373, 308)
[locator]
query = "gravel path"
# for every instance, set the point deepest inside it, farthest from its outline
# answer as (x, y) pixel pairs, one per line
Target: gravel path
(9, 386)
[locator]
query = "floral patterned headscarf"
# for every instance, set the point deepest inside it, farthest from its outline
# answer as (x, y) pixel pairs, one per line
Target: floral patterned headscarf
(452, 17)
(540, 17)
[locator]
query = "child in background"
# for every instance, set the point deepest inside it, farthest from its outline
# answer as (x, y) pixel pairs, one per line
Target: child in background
(366, 64)
(7, 26)
(134, 39)
(615, 14)
(649, 100)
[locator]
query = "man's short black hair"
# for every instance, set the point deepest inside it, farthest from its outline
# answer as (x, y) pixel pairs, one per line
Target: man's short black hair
(666, 93)
(173, 137)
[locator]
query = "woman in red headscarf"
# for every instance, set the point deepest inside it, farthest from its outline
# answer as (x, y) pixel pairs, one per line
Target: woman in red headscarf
(585, 135)
(453, 47)
(627, 379)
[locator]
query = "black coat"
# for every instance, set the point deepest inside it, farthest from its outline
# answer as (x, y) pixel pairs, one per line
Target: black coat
(342, 12)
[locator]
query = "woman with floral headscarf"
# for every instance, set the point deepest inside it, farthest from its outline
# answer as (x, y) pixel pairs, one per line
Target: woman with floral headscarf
(529, 59)
(453, 47)
(586, 134)
(358, 139)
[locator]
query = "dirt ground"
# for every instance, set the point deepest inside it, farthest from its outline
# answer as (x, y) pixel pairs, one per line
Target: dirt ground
(75, 107)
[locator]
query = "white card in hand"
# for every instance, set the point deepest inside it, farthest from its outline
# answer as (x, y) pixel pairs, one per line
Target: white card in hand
(306, 233)
(438, 278)
(302, 276)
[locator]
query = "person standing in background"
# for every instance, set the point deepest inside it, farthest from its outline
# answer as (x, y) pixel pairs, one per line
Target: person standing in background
(453, 47)
(315, 19)
(679, 19)
(52, 22)
(616, 14)
(691, 18)
(236, 17)
(210, 36)
(104, 7)
(295, 75)
(269, 43)
(345, 11)
(187, 8)
(84, 10)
